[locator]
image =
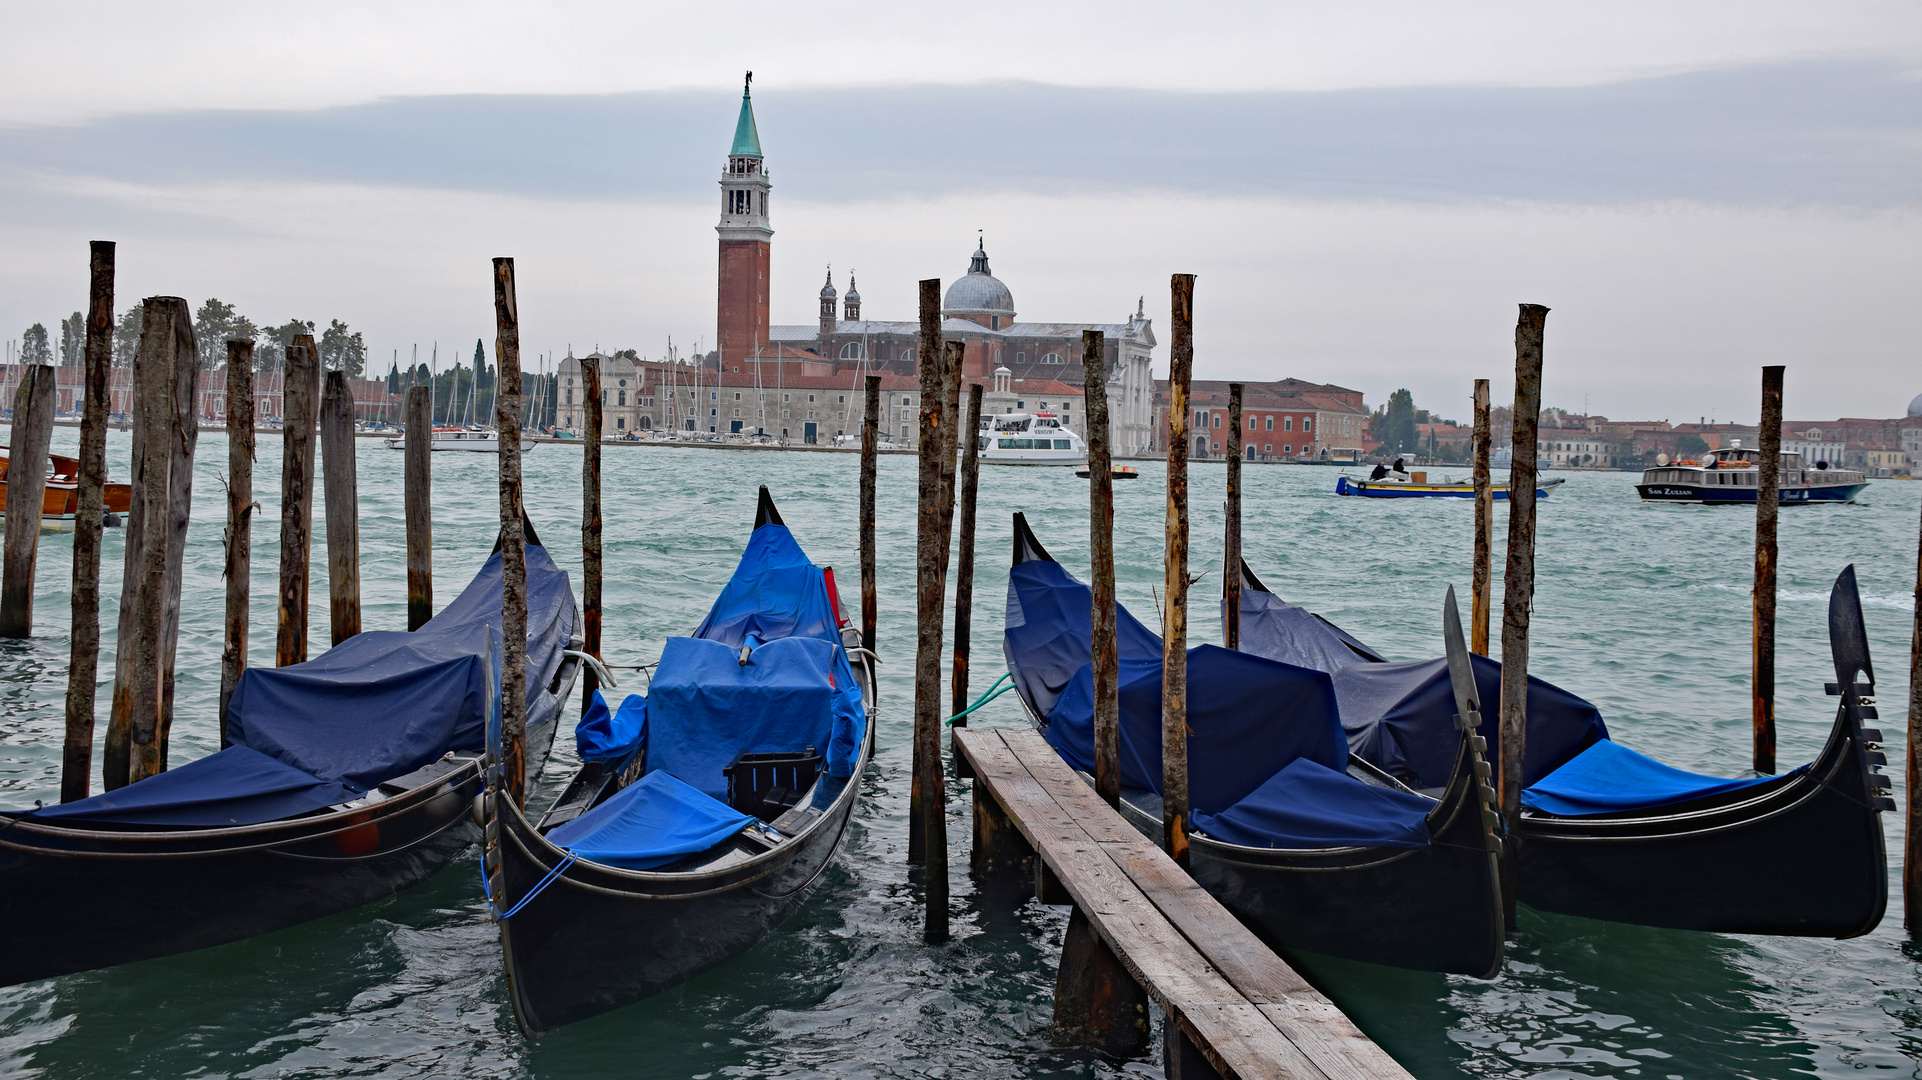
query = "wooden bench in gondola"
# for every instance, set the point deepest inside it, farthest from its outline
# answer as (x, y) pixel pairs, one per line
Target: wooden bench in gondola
(1143, 929)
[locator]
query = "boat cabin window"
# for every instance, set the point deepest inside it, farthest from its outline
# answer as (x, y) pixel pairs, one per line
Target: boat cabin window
(1063, 444)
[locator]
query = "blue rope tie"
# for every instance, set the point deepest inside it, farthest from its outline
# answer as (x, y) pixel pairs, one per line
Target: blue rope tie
(559, 869)
(993, 692)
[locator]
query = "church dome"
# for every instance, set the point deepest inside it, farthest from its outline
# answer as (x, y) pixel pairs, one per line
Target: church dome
(1915, 407)
(979, 292)
(827, 290)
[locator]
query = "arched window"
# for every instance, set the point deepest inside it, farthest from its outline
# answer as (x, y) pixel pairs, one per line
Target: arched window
(623, 398)
(907, 353)
(1051, 358)
(852, 351)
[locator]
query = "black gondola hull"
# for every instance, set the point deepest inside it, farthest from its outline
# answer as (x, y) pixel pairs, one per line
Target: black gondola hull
(120, 897)
(1804, 856)
(597, 937)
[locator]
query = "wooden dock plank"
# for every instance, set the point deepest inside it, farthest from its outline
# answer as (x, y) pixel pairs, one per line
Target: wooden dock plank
(1249, 1012)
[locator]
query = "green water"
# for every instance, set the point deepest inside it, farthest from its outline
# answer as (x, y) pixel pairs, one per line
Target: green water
(1642, 609)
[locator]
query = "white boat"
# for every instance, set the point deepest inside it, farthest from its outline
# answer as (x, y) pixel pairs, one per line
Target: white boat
(1028, 439)
(477, 439)
(1733, 475)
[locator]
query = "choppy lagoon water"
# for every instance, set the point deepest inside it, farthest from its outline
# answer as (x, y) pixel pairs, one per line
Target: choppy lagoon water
(1642, 609)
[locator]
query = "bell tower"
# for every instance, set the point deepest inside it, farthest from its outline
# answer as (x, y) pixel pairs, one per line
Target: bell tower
(745, 240)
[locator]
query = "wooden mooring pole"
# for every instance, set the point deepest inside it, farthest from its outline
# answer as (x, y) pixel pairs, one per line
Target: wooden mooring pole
(418, 499)
(870, 439)
(300, 398)
(507, 420)
(150, 755)
(1174, 638)
(1231, 528)
(1912, 838)
(970, 457)
(238, 540)
(1106, 659)
(343, 507)
(30, 435)
(591, 525)
(83, 665)
(1768, 497)
(925, 799)
(1484, 523)
(1518, 578)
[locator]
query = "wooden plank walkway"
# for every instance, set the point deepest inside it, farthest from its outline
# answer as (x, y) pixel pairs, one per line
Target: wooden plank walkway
(1233, 1007)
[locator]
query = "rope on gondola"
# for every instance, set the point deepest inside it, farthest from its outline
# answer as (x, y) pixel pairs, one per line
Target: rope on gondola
(993, 692)
(559, 868)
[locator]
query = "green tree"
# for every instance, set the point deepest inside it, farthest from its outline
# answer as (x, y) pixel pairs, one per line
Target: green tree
(33, 346)
(73, 340)
(1398, 423)
(214, 324)
(343, 350)
(271, 354)
(126, 335)
(1690, 446)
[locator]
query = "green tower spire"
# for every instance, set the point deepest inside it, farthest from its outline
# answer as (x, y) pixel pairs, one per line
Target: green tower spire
(747, 138)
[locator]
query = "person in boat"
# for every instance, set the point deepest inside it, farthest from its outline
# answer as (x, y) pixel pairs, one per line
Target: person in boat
(1380, 472)
(1399, 470)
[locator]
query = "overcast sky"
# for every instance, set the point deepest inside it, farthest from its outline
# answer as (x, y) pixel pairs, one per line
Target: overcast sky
(1366, 190)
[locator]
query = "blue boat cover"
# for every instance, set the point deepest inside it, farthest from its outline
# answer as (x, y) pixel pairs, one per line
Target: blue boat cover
(1247, 719)
(1609, 778)
(775, 593)
(1400, 717)
(237, 786)
(384, 703)
(1308, 805)
(611, 735)
(706, 708)
(1049, 627)
(649, 823)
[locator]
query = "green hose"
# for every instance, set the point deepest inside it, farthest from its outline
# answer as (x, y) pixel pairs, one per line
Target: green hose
(993, 692)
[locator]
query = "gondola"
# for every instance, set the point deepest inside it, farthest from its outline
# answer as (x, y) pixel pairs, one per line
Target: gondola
(1609, 834)
(705, 811)
(1308, 845)
(347, 778)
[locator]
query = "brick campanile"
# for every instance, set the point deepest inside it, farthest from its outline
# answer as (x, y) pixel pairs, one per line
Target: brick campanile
(745, 241)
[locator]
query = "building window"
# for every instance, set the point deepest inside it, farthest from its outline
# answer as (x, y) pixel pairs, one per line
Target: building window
(1020, 358)
(1251, 423)
(1217, 419)
(737, 397)
(1051, 358)
(1267, 448)
(570, 397)
(1201, 419)
(1287, 423)
(1307, 423)
(1287, 448)
(810, 397)
(1271, 422)
(622, 399)
(843, 399)
(852, 351)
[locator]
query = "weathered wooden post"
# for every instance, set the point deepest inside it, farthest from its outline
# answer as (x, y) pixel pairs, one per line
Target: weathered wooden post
(418, 497)
(870, 453)
(507, 420)
(150, 755)
(1231, 528)
(240, 519)
(1484, 523)
(31, 434)
(591, 523)
(83, 667)
(1106, 659)
(1912, 839)
(343, 507)
(1174, 648)
(1518, 578)
(964, 565)
(1768, 494)
(950, 422)
(300, 396)
(926, 798)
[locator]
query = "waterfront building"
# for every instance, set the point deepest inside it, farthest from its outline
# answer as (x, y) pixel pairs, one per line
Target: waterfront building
(1287, 419)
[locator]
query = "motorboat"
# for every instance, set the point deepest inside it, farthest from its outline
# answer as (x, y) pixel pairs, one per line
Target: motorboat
(1029, 439)
(480, 440)
(1117, 472)
(61, 500)
(1416, 485)
(1733, 475)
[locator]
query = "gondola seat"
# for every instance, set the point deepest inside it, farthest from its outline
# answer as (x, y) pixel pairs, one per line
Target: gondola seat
(1309, 805)
(1609, 778)
(651, 822)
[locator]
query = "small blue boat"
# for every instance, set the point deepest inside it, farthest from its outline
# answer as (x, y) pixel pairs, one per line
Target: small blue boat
(1419, 488)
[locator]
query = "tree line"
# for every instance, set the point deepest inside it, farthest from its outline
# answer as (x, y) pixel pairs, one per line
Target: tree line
(214, 325)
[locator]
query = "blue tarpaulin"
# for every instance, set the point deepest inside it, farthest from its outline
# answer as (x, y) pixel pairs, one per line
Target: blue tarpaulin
(237, 786)
(651, 822)
(705, 707)
(383, 703)
(605, 734)
(1610, 778)
(775, 593)
(377, 706)
(1400, 717)
(1049, 626)
(1247, 719)
(1308, 805)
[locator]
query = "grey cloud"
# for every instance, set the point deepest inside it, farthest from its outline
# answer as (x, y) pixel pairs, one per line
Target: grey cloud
(1845, 134)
